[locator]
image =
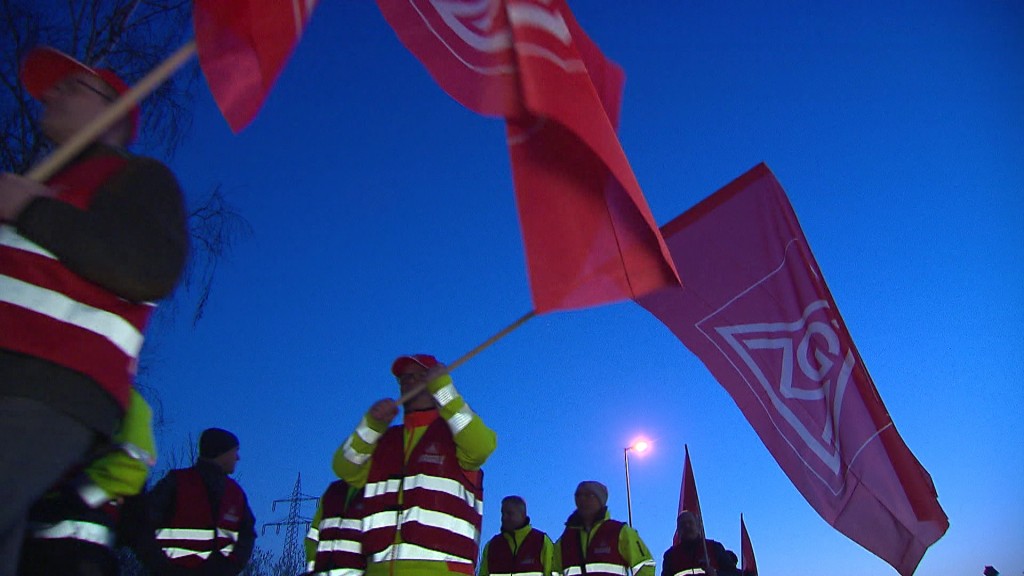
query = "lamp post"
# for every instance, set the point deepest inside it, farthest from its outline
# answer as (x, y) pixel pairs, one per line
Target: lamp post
(640, 446)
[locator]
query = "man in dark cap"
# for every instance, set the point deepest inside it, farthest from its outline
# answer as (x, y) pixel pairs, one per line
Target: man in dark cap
(203, 521)
(82, 258)
(423, 496)
(693, 554)
(594, 544)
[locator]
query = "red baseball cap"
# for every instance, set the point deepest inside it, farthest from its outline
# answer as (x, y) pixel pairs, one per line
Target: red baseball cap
(425, 360)
(44, 66)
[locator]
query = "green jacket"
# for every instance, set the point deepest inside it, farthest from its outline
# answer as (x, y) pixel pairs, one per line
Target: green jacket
(631, 547)
(515, 540)
(122, 471)
(474, 443)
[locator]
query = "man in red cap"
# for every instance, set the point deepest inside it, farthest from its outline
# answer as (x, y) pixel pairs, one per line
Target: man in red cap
(423, 483)
(82, 257)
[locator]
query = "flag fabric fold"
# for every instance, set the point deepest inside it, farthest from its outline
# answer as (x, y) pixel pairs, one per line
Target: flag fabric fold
(748, 565)
(589, 235)
(757, 312)
(243, 45)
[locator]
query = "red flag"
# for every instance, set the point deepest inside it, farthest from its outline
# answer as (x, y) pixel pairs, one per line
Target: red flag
(757, 312)
(689, 502)
(589, 234)
(243, 46)
(688, 495)
(748, 566)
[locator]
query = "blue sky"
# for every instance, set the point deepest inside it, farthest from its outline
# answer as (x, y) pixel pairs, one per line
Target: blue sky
(384, 223)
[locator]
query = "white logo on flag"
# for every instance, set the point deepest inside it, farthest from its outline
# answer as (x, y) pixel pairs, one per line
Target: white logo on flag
(797, 367)
(807, 352)
(476, 24)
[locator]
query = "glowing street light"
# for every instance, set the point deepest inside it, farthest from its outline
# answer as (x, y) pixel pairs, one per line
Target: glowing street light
(639, 446)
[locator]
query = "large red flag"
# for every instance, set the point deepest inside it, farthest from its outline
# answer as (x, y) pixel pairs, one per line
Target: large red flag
(243, 46)
(748, 565)
(589, 234)
(755, 309)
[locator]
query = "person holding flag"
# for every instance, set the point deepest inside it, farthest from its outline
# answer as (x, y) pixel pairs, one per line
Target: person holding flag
(422, 481)
(82, 257)
(693, 554)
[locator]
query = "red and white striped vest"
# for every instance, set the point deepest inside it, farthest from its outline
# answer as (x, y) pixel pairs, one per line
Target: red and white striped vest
(441, 508)
(192, 533)
(526, 561)
(49, 312)
(602, 557)
(339, 550)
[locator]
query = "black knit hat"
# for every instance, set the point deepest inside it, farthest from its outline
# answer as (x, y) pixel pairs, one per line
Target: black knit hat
(215, 441)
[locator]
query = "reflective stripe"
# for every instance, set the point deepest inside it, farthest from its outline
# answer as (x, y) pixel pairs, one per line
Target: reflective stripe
(427, 482)
(367, 434)
(340, 523)
(595, 567)
(114, 328)
(406, 551)
(173, 553)
(341, 572)
(310, 566)
(73, 529)
(458, 422)
(225, 533)
(642, 564)
(93, 495)
(446, 394)
(227, 550)
(10, 237)
(351, 454)
(313, 534)
(690, 572)
(184, 534)
(137, 453)
(339, 546)
(433, 518)
(517, 574)
(606, 568)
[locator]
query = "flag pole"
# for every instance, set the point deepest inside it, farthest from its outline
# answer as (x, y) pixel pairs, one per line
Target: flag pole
(465, 357)
(70, 148)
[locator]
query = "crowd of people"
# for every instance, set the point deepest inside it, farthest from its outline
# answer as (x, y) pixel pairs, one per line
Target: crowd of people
(83, 256)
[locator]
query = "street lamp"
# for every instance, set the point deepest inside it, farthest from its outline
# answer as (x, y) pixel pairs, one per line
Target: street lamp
(640, 446)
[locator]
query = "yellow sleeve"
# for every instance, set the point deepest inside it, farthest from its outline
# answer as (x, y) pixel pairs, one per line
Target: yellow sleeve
(482, 570)
(474, 440)
(556, 557)
(547, 557)
(313, 536)
(352, 459)
(123, 472)
(635, 552)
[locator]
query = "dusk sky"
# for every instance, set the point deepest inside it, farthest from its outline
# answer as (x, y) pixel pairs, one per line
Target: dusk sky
(384, 222)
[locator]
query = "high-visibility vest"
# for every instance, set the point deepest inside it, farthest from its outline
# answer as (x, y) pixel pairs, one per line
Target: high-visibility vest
(525, 561)
(440, 511)
(60, 316)
(194, 532)
(685, 560)
(64, 518)
(602, 555)
(339, 550)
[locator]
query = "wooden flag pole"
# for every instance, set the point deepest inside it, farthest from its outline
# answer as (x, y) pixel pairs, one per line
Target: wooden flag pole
(465, 357)
(67, 150)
